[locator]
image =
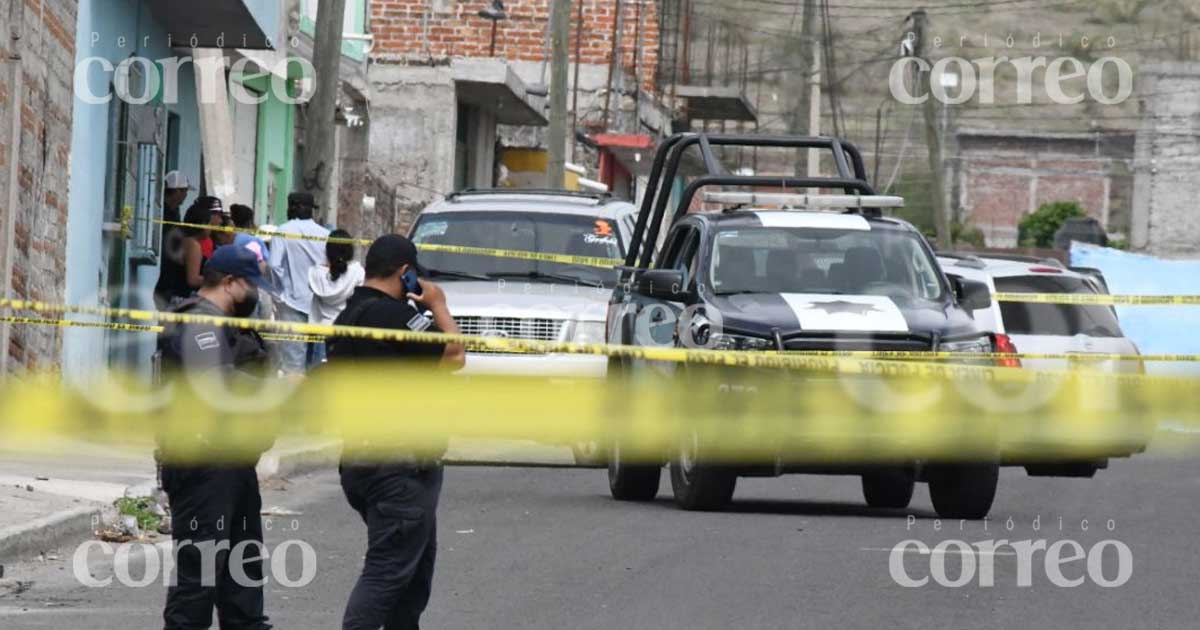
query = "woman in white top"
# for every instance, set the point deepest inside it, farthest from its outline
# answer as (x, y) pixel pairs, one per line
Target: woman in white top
(332, 283)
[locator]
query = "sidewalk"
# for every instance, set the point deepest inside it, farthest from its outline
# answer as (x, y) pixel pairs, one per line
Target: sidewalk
(58, 495)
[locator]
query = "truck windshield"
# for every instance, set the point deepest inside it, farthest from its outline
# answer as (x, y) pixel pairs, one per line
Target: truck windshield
(826, 261)
(1054, 319)
(572, 235)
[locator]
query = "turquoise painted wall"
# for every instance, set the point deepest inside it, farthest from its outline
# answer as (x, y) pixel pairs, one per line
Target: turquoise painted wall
(276, 151)
(101, 25)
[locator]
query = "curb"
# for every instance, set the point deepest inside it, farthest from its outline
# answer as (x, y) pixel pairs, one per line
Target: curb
(299, 460)
(48, 532)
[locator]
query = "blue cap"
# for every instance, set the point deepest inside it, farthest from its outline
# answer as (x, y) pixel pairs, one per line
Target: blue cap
(238, 262)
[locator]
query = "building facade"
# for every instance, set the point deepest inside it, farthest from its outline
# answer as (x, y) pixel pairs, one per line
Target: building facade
(459, 99)
(140, 98)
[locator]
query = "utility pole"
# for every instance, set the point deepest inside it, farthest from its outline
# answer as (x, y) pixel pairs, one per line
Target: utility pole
(808, 88)
(320, 133)
(933, 139)
(556, 135)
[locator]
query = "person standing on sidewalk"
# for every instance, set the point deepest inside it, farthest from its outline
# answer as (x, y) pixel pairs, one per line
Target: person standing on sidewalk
(332, 283)
(215, 508)
(397, 499)
(291, 259)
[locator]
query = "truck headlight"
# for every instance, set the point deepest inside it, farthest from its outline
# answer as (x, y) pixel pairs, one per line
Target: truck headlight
(740, 342)
(588, 332)
(980, 344)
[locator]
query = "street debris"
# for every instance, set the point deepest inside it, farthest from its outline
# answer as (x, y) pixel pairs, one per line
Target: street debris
(280, 511)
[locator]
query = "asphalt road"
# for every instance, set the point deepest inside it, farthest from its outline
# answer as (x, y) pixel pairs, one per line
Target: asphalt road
(547, 548)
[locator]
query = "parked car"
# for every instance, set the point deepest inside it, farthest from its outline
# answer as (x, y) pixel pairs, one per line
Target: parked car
(1047, 328)
(528, 299)
(1054, 329)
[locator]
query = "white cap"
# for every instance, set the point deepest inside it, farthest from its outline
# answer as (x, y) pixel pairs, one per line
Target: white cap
(176, 180)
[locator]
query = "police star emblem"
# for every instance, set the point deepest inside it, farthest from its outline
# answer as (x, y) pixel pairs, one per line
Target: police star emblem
(837, 307)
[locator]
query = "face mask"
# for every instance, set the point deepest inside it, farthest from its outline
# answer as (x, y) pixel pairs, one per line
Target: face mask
(247, 306)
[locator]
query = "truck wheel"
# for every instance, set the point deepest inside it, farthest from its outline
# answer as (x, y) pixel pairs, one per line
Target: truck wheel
(963, 491)
(632, 482)
(700, 486)
(890, 488)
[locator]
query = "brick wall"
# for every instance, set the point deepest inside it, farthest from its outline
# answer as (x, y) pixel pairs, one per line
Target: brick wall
(1001, 178)
(418, 30)
(38, 255)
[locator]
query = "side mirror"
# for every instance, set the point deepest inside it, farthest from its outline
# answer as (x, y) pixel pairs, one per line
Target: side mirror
(662, 284)
(972, 294)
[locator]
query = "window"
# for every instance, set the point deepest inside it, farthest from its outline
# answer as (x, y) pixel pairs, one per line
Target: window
(885, 262)
(681, 254)
(572, 235)
(1054, 319)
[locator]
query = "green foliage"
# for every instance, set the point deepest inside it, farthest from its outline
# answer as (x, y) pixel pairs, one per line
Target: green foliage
(142, 508)
(967, 234)
(1037, 229)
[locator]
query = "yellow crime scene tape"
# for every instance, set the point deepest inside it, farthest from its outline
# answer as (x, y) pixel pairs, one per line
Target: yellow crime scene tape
(385, 411)
(828, 362)
(586, 261)
(1094, 299)
(71, 323)
(517, 346)
(873, 410)
(609, 263)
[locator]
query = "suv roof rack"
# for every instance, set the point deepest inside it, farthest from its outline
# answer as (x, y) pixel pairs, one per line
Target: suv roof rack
(851, 179)
(480, 192)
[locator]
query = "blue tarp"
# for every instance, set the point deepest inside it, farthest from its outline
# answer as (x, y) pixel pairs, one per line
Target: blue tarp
(1155, 329)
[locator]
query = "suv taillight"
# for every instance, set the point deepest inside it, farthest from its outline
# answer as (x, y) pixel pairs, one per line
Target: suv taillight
(1003, 343)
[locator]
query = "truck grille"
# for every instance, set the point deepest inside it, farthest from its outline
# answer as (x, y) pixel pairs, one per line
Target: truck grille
(847, 342)
(536, 329)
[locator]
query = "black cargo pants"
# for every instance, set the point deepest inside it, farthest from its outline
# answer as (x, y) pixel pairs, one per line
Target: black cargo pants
(213, 510)
(399, 505)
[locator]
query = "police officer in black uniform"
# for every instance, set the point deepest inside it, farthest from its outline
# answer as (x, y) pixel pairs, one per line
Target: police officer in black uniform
(215, 504)
(398, 498)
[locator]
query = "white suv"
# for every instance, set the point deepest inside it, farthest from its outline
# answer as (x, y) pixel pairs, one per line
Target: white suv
(528, 299)
(1046, 328)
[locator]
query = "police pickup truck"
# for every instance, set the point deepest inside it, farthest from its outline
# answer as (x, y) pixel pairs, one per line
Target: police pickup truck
(749, 278)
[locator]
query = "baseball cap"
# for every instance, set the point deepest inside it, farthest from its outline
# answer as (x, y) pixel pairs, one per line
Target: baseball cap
(212, 204)
(391, 252)
(176, 181)
(238, 262)
(302, 199)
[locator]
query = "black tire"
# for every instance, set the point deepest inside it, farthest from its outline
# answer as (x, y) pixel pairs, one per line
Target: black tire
(889, 488)
(963, 491)
(704, 488)
(632, 482)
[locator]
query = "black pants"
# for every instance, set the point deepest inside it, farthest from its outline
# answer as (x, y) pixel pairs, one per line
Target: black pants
(212, 511)
(399, 506)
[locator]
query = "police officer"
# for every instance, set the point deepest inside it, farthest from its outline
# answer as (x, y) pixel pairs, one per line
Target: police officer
(397, 499)
(215, 506)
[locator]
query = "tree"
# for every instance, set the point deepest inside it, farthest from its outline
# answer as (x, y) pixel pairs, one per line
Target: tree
(1037, 229)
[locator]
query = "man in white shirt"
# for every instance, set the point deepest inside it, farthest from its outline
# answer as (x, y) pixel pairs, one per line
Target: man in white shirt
(291, 258)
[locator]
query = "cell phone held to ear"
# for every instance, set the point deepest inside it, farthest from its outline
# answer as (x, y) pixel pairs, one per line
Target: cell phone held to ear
(411, 283)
